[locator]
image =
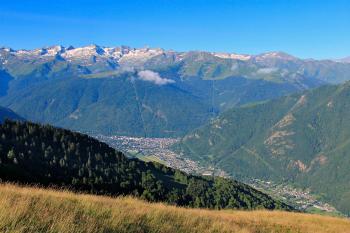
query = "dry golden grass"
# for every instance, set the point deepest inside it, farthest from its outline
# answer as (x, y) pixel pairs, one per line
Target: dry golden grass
(28, 209)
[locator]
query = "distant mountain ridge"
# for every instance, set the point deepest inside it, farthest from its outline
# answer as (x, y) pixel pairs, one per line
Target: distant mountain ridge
(344, 60)
(148, 92)
(110, 58)
(125, 52)
(6, 113)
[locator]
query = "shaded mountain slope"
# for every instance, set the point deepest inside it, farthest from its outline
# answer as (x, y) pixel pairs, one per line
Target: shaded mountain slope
(6, 113)
(303, 139)
(111, 106)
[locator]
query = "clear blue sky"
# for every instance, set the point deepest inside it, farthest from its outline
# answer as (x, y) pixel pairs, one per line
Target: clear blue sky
(305, 28)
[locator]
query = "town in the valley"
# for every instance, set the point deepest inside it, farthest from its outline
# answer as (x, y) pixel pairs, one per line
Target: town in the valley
(160, 150)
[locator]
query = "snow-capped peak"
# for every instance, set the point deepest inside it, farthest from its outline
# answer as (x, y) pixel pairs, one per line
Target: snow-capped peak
(141, 54)
(275, 55)
(343, 60)
(236, 56)
(126, 54)
(6, 49)
(83, 52)
(54, 50)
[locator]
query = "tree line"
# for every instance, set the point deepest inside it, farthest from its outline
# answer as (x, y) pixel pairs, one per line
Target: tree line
(42, 154)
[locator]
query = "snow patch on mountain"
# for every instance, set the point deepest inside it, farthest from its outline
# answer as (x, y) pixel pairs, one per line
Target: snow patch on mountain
(242, 57)
(343, 60)
(141, 54)
(275, 55)
(83, 52)
(54, 50)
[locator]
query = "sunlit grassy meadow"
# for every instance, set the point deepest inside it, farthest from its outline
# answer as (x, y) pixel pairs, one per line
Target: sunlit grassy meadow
(29, 209)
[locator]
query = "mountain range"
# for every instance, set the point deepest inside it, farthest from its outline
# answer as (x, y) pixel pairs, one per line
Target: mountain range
(344, 60)
(270, 116)
(148, 92)
(301, 138)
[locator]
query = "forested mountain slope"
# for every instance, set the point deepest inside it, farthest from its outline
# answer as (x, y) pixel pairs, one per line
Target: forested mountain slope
(36, 154)
(303, 139)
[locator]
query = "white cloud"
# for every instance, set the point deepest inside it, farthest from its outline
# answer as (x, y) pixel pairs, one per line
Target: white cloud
(154, 77)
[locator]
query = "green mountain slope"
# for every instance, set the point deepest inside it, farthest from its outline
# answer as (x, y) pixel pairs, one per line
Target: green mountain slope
(111, 106)
(5, 79)
(302, 139)
(122, 106)
(31, 153)
(99, 90)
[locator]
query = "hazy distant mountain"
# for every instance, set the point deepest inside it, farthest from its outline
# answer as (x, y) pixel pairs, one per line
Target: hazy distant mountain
(301, 138)
(148, 92)
(6, 113)
(95, 59)
(344, 60)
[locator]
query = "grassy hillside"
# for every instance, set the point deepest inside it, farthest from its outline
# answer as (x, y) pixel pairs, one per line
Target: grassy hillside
(303, 139)
(42, 210)
(32, 153)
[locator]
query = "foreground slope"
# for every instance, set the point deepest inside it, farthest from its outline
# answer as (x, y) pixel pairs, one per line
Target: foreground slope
(303, 139)
(42, 210)
(32, 153)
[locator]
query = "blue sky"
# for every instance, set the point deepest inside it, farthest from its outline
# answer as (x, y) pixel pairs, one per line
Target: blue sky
(305, 28)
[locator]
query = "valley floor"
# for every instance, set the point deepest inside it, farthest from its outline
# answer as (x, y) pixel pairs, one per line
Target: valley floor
(159, 150)
(28, 209)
